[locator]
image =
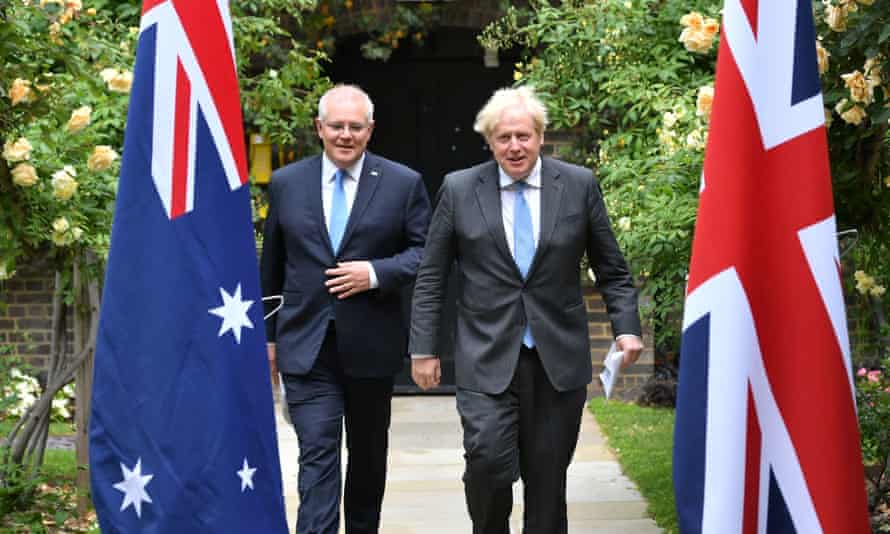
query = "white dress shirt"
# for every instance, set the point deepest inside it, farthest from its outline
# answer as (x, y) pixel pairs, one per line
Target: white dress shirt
(350, 187)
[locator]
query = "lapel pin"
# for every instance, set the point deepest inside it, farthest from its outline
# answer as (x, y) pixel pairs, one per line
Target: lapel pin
(374, 173)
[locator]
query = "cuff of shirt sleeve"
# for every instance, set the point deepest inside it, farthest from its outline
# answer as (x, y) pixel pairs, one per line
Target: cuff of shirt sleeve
(619, 336)
(373, 275)
(422, 356)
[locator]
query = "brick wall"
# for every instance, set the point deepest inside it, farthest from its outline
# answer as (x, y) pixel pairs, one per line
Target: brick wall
(26, 321)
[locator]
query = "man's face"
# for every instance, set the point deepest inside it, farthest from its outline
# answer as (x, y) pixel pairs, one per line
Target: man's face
(515, 143)
(345, 130)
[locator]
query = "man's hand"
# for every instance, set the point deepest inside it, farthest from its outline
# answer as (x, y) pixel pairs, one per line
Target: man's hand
(273, 366)
(348, 278)
(632, 346)
(426, 372)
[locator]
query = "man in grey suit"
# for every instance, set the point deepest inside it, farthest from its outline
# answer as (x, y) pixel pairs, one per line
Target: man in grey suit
(517, 228)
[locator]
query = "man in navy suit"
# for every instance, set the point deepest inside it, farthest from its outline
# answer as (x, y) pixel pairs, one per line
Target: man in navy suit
(343, 238)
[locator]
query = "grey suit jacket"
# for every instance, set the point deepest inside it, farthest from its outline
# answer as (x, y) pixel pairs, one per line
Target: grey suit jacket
(495, 303)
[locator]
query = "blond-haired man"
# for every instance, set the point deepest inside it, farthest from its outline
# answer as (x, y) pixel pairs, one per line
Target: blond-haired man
(517, 228)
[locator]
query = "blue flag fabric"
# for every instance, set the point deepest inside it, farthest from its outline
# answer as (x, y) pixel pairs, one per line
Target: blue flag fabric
(182, 433)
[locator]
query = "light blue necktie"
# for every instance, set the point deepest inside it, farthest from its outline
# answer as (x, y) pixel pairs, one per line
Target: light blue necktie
(523, 243)
(338, 210)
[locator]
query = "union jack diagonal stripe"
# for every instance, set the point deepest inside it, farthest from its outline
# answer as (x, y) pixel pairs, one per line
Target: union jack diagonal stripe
(766, 437)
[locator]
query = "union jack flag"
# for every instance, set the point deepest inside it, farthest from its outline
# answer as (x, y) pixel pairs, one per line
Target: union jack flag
(182, 430)
(766, 437)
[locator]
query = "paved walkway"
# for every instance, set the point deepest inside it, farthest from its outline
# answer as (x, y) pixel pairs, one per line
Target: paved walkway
(424, 492)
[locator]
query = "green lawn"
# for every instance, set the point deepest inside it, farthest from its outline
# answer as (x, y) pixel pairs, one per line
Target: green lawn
(642, 438)
(55, 429)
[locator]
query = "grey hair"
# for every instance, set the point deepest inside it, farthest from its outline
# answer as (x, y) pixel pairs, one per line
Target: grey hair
(503, 99)
(322, 102)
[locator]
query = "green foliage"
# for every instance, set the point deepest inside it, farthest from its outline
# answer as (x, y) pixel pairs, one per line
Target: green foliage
(642, 438)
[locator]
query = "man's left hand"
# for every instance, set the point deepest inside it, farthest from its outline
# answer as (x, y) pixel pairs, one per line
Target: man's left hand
(632, 346)
(348, 278)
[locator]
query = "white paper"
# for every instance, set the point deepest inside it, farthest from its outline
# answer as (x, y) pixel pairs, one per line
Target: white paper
(611, 369)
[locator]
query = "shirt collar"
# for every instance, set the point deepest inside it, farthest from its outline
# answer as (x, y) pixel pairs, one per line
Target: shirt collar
(328, 168)
(533, 179)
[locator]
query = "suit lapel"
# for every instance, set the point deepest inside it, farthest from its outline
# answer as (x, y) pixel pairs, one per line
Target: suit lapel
(367, 186)
(316, 202)
(551, 201)
(488, 193)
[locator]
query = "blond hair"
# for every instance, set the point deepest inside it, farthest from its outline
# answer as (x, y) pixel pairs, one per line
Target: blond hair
(503, 99)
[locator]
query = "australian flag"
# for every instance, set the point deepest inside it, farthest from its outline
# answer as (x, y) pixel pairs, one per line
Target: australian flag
(182, 433)
(766, 438)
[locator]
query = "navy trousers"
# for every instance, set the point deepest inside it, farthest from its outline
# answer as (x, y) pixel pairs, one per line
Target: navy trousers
(319, 402)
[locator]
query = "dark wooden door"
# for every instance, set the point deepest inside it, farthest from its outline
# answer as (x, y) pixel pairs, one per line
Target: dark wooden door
(426, 99)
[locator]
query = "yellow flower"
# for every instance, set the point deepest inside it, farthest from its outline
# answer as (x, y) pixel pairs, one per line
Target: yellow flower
(864, 282)
(695, 140)
(20, 150)
(822, 56)
(517, 75)
(101, 158)
(61, 225)
(711, 27)
(860, 90)
(108, 74)
(24, 175)
(91, 11)
(866, 2)
(80, 119)
(121, 82)
(624, 223)
(878, 291)
(836, 18)
(20, 92)
(854, 115)
(887, 180)
(64, 184)
(692, 20)
(669, 119)
(828, 118)
(704, 101)
(263, 211)
(696, 41)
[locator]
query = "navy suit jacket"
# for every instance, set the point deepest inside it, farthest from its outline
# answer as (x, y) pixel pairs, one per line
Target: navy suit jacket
(387, 226)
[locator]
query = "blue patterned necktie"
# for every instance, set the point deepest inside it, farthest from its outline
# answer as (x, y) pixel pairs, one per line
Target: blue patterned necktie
(338, 210)
(523, 243)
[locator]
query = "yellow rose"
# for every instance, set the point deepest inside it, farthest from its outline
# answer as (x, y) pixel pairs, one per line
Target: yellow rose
(108, 74)
(828, 118)
(75, 5)
(20, 150)
(692, 20)
(54, 30)
(61, 225)
(864, 282)
(704, 101)
(669, 119)
(695, 140)
(101, 158)
(91, 11)
(121, 82)
(822, 55)
(711, 27)
(20, 92)
(624, 223)
(854, 115)
(836, 18)
(878, 291)
(860, 91)
(696, 41)
(24, 175)
(80, 119)
(887, 180)
(64, 184)
(866, 2)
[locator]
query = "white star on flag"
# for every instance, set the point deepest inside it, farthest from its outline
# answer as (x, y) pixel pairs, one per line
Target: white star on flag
(233, 313)
(246, 474)
(133, 487)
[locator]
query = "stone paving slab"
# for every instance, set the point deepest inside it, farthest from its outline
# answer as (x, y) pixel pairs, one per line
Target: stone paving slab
(424, 492)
